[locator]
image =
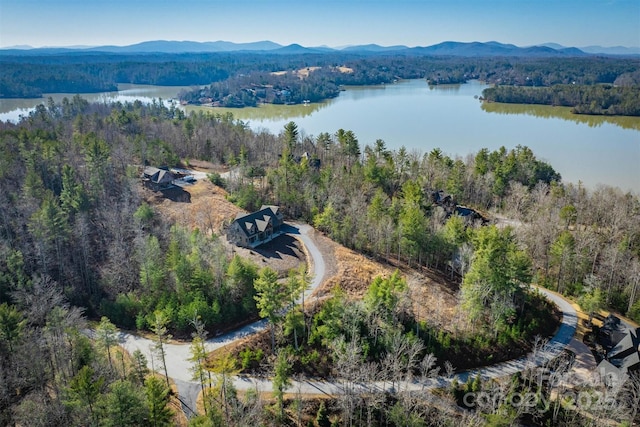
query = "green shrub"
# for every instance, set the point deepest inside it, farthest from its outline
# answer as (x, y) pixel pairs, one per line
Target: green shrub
(634, 313)
(322, 417)
(245, 358)
(123, 311)
(310, 358)
(216, 179)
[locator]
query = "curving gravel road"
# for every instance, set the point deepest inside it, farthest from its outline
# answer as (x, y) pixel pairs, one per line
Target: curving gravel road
(179, 367)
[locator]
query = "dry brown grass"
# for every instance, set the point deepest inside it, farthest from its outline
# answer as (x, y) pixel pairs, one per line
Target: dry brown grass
(354, 272)
(343, 69)
(301, 73)
(208, 211)
(304, 72)
(433, 301)
(433, 298)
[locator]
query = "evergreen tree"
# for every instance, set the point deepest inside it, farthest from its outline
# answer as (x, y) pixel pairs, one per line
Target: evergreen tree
(123, 406)
(270, 298)
(158, 395)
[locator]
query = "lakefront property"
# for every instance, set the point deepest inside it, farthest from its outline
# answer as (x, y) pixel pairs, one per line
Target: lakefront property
(429, 274)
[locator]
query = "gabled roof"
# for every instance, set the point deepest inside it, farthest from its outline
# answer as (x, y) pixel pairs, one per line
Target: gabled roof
(163, 177)
(625, 355)
(263, 223)
(272, 208)
(612, 332)
(158, 176)
(150, 171)
(631, 363)
(629, 345)
(250, 227)
(259, 221)
(607, 371)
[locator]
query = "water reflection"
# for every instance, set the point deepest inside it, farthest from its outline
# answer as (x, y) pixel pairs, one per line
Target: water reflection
(591, 149)
(264, 112)
(451, 89)
(11, 109)
(550, 112)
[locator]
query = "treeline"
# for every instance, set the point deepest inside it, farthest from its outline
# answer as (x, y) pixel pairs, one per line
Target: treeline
(259, 88)
(52, 374)
(386, 317)
(30, 76)
(31, 80)
(380, 202)
(602, 99)
(73, 212)
(74, 227)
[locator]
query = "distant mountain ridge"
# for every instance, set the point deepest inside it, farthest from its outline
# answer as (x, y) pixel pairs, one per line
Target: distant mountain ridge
(164, 46)
(492, 48)
(612, 50)
(447, 48)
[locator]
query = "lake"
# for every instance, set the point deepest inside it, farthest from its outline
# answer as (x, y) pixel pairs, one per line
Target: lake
(12, 109)
(591, 149)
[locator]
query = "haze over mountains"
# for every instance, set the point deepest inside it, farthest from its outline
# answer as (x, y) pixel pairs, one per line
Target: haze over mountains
(448, 48)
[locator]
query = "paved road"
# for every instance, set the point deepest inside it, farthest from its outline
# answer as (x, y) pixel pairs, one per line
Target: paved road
(553, 347)
(179, 368)
(177, 355)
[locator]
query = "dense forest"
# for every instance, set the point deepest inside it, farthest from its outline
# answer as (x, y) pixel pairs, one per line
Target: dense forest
(243, 74)
(594, 99)
(78, 242)
(322, 82)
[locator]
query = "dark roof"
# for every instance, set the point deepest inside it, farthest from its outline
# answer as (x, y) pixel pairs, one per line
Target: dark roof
(464, 211)
(631, 363)
(612, 332)
(258, 221)
(158, 176)
(629, 344)
(611, 322)
(272, 208)
(626, 353)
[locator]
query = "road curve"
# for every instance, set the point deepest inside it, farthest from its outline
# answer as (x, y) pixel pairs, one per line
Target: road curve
(179, 368)
(177, 355)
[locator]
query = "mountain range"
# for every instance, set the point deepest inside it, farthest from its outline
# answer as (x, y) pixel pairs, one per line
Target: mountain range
(448, 48)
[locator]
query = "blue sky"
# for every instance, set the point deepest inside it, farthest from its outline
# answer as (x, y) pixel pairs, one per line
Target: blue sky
(333, 23)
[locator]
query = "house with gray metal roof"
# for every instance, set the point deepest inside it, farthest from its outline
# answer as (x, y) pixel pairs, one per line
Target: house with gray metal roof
(157, 179)
(254, 229)
(622, 349)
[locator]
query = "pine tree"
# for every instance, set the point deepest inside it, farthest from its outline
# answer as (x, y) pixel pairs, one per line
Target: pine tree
(158, 396)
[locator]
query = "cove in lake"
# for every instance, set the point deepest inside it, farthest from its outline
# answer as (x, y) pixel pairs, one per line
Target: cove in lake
(591, 149)
(12, 109)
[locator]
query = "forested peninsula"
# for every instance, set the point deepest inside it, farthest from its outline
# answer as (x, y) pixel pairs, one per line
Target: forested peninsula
(600, 99)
